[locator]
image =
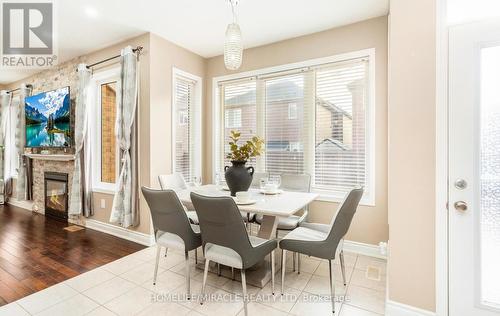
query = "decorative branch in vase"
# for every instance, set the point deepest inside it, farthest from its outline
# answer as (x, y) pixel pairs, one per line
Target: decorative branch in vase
(238, 176)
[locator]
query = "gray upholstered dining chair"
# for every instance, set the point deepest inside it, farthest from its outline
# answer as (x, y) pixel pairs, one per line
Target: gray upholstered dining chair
(176, 182)
(172, 227)
(321, 240)
(295, 183)
(226, 241)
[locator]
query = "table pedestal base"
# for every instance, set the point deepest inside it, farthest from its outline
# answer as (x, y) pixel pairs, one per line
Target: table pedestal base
(258, 275)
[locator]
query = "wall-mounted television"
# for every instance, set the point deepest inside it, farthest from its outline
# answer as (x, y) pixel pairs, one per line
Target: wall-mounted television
(48, 122)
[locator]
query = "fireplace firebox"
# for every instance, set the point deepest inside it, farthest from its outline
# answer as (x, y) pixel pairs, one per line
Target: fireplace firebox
(56, 195)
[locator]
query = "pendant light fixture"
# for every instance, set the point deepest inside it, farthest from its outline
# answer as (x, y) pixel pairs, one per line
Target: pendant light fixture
(233, 46)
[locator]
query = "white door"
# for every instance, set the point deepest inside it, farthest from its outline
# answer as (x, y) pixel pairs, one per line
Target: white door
(474, 169)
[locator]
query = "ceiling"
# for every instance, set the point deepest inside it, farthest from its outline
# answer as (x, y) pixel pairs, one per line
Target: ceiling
(197, 25)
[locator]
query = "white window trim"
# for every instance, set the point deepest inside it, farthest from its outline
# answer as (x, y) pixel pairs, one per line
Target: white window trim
(97, 80)
(195, 157)
(328, 196)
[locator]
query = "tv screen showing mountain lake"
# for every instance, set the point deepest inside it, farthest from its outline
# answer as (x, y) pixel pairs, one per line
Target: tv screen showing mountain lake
(48, 119)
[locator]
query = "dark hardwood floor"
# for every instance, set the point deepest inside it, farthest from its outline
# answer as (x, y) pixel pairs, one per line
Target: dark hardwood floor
(36, 252)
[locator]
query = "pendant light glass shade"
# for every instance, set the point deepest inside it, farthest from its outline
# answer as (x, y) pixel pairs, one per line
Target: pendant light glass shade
(233, 47)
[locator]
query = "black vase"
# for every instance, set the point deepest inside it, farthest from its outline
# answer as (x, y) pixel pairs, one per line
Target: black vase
(238, 177)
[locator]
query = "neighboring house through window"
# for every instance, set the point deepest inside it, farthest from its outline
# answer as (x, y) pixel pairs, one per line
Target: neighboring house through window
(316, 120)
(292, 111)
(105, 151)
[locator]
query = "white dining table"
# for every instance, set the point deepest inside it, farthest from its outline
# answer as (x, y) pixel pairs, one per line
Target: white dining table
(271, 206)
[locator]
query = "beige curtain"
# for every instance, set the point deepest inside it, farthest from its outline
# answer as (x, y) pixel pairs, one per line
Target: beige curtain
(5, 99)
(21, 184)
(125, 211)
(77, 196)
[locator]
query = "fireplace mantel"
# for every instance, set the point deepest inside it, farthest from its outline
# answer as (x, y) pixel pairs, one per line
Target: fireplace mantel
(60, 157)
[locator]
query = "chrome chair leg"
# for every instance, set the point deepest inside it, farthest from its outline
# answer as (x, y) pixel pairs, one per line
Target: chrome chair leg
(188, 282)
(272, 271)
(244, 285)
(283, 268)
(196, 256)
(342, 266)
(218, 269)
(158, 250)
(332, 285)
(293, 261)
(232, 273)
(205, 273)
(166, 249)
(298, 262)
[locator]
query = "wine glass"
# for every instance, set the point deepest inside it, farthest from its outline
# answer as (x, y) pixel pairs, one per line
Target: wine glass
(263, 183)
(218, 181)
(276, 179)
(197, 181)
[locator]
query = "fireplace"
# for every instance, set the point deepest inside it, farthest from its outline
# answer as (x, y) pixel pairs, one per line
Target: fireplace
(56, 195)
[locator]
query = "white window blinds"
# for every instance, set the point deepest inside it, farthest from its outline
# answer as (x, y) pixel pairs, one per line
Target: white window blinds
(286, 139)
(313, 120)
(240, 113)
(340, 149)
(185, 127)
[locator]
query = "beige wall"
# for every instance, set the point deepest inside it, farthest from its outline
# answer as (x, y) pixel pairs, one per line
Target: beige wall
(164, 56)
(411, 277)
(370, 223)
(144, 124)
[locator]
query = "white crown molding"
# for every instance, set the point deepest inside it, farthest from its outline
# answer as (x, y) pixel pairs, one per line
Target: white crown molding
(393, 308)
(120, 232)
(363, 249)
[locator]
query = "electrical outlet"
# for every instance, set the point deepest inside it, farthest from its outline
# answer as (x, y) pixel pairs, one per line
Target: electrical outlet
(103, 203)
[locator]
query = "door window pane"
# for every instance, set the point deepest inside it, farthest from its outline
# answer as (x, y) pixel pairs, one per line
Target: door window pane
(490, 176)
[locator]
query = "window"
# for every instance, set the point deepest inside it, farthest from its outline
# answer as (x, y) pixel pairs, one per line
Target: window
(314, 119)
(284, 137)
(292, 111)
(183, 117)
(233, 118)
(108, 139)
(105, 149)
(240, 112)
(187, 127)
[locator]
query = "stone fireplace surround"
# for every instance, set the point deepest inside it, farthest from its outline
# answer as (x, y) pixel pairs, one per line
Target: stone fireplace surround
(41, 163)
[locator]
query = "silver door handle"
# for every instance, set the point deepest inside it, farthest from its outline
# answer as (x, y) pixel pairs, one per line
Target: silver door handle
(460, 206)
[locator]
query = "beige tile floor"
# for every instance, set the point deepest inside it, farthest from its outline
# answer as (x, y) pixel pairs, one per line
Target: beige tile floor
(124, 287)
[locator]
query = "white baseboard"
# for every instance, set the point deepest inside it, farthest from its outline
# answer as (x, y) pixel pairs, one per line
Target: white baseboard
(393, 308)
(120, 232)
(27, 205)
(363, 249)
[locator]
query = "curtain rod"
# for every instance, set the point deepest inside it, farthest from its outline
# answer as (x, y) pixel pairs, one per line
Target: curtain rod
(17, 89)
(137, 49)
